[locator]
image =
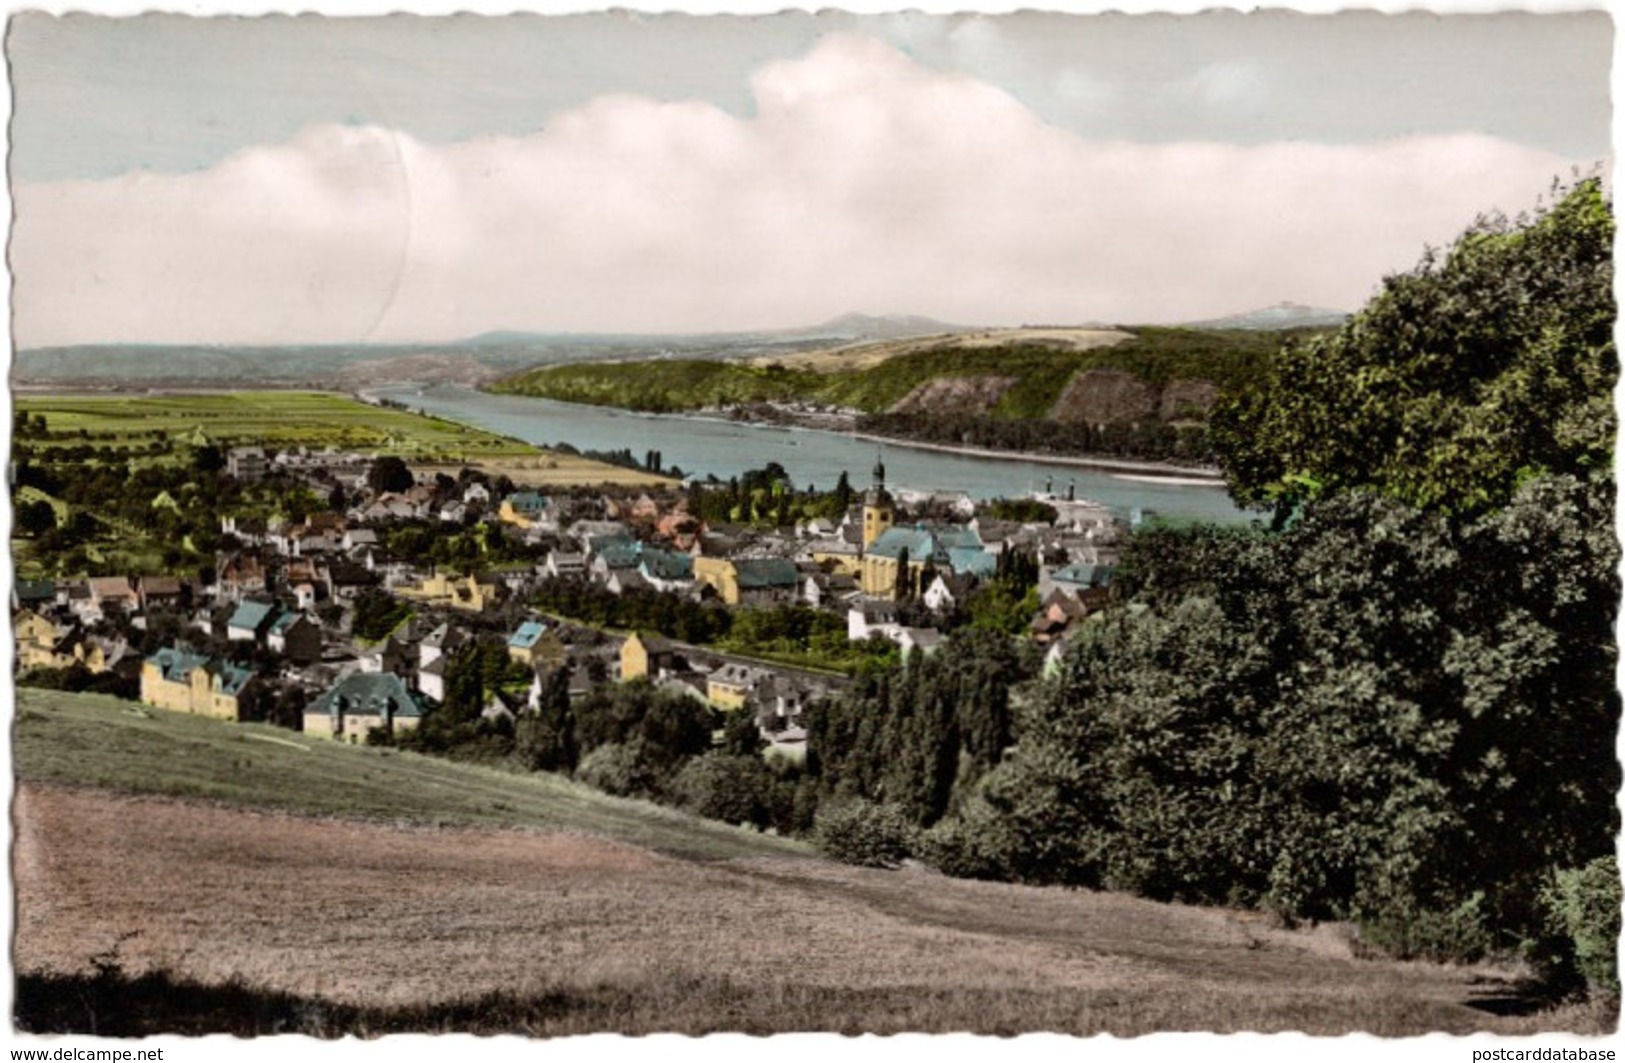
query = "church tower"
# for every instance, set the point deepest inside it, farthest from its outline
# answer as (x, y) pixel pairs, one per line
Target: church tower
(877, 507)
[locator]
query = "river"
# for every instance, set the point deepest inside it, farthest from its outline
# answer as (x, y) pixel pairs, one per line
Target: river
(811, 457)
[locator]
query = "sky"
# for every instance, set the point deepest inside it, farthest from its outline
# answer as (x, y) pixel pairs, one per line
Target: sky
(318, 180)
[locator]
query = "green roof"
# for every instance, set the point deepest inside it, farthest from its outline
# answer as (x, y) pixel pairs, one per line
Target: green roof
(368, 694)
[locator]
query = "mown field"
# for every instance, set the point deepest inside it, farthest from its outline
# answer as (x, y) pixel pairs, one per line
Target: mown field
(181, 874)
(270, 418)
(1041, 371)
(309, 419)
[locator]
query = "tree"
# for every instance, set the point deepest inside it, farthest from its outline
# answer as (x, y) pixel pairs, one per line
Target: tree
(1458, 382)
(546, 738)
(36, 518)
(903, 585)
(389, 474)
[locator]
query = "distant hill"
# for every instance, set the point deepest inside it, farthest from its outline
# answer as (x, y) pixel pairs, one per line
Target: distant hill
(469, 361)
(1274, 318)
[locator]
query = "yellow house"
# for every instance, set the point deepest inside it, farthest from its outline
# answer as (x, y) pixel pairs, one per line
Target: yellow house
(837, 556)
(729, 687)
(467, 593)
(360, 703)
(748, 580)
(187, 682)
(532, 643)
(644, 656)
(39, 642)
(525, 509)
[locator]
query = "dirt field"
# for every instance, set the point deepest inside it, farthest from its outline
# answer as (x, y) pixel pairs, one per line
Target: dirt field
(381, 915)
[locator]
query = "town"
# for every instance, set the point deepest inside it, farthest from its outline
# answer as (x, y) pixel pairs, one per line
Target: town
(342, 625)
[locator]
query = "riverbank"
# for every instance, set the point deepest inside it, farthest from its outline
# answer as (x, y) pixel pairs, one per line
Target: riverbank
(1186, 475)
(780, 415)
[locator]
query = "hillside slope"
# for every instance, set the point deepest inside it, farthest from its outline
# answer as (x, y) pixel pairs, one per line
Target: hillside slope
(234, 913)
(875, 378)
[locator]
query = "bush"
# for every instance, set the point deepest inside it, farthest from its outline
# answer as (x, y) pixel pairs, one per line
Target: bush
(1584, 903)
(725, 786)
(863, 833)
(615, 768)
(1410, 932)
(963, 848)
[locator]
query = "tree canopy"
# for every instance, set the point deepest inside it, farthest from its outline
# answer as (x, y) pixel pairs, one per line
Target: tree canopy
(1462, 379)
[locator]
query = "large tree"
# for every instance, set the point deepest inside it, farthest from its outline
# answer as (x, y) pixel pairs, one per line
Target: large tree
(1479, 369)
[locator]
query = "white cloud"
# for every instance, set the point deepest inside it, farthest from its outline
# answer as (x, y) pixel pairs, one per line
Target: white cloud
(863, 182)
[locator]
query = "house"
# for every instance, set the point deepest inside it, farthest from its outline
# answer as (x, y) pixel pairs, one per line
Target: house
(42, 643)
(296, 637)
(466, 594)
(476, 492)
(564, 564)
(346, 580)
(440, 642)
(870, 617)
(731, 686)
(611, 553)
(836, 555)
(583, 531)
(532, 644)
(180, 681)
(159, 592)
(33, 594)
(251, 620)
(432, 678)
(946, 591)
(114, 592)
(525, 509)
(1090, 584)
(241, 574)
(749, 581)
(102, 656)
(363, 702)
(666, 570)
(246, 463)
(782, 703)
(647, 656)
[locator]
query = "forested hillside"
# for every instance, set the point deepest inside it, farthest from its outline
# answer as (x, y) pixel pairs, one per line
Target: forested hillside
(1398, 705)
(1148, 395)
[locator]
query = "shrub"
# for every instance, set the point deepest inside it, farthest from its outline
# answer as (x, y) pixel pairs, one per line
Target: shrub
(1408, 931)
(725, 786)
(863, 833)
(615, 768)
(963, 848)
(1584, 903)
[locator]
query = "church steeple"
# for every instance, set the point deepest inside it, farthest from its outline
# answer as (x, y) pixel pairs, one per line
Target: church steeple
(877, 506)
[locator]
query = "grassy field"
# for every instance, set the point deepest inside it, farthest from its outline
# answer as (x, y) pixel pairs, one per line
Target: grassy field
(311, 419)
(553, 910)
(101, 741)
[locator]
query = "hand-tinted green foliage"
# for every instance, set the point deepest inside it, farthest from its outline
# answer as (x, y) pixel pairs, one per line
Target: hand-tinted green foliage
(912, 737)
(1459, 381)
(1585, 903)
(377, 614)
(545, 738)
(653, 732)
(1156, 355)
(864, 833)
(1376, 715)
